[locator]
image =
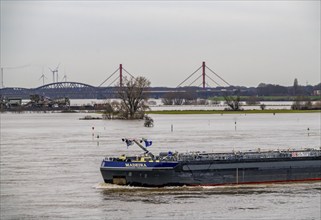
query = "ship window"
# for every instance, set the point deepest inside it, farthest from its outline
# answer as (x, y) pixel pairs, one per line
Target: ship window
(145, 175)
(129, 173)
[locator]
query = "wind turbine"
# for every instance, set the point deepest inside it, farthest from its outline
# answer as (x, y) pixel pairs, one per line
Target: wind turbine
(65, 76)
(53, 73)
(43, 78)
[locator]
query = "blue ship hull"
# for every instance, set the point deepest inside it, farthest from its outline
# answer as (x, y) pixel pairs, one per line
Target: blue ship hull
(179, 173)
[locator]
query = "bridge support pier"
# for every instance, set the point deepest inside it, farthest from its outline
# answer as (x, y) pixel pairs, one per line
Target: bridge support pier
(203, 67)
(121, 75)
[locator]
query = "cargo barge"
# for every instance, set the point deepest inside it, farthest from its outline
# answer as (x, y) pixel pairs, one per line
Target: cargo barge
(211, 169)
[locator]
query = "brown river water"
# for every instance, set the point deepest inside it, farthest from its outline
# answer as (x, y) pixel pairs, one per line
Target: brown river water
(50, 167)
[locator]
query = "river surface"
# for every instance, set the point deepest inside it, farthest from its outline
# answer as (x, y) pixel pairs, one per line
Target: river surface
(50, 167)
(157, 105)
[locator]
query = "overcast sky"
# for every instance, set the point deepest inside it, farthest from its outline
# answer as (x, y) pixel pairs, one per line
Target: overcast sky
(245, 42)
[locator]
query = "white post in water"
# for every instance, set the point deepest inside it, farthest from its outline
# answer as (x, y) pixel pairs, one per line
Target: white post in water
(93, 132)
(97, 139)
(237, 175)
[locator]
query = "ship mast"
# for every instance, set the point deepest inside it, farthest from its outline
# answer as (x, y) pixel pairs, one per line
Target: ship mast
(142, 147)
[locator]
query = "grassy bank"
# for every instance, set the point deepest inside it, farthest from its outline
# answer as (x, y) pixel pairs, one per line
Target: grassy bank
(268, 98)
(277, 111)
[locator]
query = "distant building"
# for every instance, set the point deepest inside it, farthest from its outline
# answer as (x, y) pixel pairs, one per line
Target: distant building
(14, 102)
(317, 92)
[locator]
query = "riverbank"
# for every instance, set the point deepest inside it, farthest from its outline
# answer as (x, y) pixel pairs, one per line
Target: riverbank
(272, 111)
(270, 98)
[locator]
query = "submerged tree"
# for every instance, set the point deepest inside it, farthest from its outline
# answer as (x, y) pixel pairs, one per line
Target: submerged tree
(233, 102)
(108, 110)
(301, 103)
(262, 106)
(133, 97)
(168, 98)
(178, 98)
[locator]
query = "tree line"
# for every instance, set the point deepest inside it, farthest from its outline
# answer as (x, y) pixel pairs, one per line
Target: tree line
(133, 97)
(278, 90)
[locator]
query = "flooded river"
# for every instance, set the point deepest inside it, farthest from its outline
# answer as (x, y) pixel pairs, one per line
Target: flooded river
(50, 167)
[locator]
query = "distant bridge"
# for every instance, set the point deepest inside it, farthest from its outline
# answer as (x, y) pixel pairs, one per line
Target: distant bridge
(76, 90)
(72, 90)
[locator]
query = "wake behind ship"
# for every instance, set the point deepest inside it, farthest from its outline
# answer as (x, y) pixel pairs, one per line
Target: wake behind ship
(200, 168)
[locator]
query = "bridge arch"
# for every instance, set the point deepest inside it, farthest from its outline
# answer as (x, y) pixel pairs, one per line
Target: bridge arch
(65, 85)
(73, 90)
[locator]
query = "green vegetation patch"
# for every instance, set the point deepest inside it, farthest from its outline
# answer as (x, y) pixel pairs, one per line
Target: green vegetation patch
(269, 98)
(186, 112)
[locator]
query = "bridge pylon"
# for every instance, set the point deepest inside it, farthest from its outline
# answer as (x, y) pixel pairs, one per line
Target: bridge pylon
(203, 67)
(204, 75)
(121, 69)
(121, 75)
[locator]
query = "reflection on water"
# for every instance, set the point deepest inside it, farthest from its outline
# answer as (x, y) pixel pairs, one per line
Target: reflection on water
(117, 191)
(50, 167)
(265, 201)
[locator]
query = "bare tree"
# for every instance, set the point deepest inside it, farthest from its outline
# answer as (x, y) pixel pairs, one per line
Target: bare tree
(301, 103)
(233, 102)
(262, 106)
(133, 97)
(109, 110)
(190, 97)
(178, 101)
(178, 98)
(168, 98)
(202, 102)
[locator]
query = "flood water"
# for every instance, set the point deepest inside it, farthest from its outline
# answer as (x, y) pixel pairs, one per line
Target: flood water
(50, 167)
